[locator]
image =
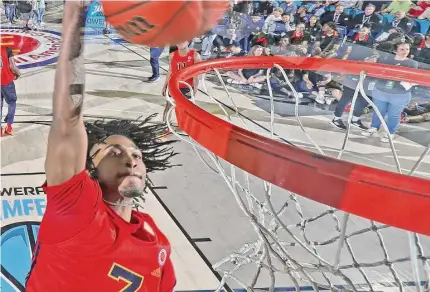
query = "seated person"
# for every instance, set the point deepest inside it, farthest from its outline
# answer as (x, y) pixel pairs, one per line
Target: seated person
(289, 7)
(282, 48)
(400, 23)
(313, 28)
(320, 85)
(337, 16)
(234, 50)
(280, 28)
(299, 36)
(302, 15)
(252, 25)
(398, 6)
(421, 52)
(279, 85)
(327, 42)
(358, 45)
(263, 8)
(250, 76)
(348, 3)
(275, 16)
(421, 10)
(317, 9)
(368, 19)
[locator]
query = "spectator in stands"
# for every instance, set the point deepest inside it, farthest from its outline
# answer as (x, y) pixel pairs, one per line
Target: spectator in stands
(301, 15)
(327, 42)
(391, 97)
(252, 24)
(320, 85)
(337, 16)
(356, 43)
(278, 83)
(289, 7)
(250, 76)
(282, 27)
(235, 50)
(421, 10)
(275, 16)
(398, 6)
(317, 9)
(299, 36)
(282, 48)
(348, 3)
(313, 27)
(264, 7)
(405, 24)
(379, 5)
(422, 52)
(368, 19)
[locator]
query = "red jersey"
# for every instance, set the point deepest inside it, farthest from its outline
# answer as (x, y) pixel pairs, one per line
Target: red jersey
(7, 75)
(83, 245)
(179, 62)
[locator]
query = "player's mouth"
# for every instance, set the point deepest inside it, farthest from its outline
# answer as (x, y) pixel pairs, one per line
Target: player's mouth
(132, 174)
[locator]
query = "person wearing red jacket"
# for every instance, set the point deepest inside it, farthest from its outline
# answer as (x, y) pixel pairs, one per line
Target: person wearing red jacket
(9, 73)
(90, 237)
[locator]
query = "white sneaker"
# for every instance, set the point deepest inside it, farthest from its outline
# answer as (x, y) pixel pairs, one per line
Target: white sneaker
(320, 99)
(369, 132)
(385, 139)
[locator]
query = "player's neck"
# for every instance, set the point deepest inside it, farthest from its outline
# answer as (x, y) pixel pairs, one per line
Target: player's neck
(123, 211)
(183, 52)
(121, 206)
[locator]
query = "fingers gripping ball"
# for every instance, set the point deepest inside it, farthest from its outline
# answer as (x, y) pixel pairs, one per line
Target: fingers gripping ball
(159, 23)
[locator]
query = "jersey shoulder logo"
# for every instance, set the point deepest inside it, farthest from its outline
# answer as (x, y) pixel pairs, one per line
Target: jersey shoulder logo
(162, 257)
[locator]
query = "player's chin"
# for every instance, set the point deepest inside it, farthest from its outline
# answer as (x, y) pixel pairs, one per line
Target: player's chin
(131, 188)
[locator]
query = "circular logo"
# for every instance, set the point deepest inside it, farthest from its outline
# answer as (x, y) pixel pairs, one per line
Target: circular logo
(162, 257)
(17, 244)
(33, 48)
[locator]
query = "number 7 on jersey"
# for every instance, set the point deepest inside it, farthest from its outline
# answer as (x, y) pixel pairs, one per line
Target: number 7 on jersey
(133, 280)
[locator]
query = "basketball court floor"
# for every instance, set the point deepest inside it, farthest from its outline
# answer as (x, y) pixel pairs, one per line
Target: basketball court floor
(191, 204)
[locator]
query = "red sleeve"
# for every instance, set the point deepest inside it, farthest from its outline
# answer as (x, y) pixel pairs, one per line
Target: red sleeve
(168, 279)
(70, 208)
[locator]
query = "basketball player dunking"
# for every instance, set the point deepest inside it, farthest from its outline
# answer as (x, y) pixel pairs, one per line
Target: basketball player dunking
(179, 59)
(90, 238)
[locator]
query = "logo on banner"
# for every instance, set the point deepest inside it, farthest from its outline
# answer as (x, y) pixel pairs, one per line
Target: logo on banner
(21, 210)
(95, 16)
(33, 48)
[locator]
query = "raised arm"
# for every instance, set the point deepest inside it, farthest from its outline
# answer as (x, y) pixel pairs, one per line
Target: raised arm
(67, 140)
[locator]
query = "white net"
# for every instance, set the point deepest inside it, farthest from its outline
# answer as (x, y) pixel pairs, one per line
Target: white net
(303, 245)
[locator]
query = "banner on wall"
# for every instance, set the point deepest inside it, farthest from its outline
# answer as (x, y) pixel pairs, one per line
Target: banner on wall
(22, 206)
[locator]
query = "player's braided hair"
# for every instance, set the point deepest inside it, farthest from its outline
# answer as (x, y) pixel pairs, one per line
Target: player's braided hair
(156, 154)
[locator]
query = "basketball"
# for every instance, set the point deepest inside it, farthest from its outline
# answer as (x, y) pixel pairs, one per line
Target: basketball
(159, 23)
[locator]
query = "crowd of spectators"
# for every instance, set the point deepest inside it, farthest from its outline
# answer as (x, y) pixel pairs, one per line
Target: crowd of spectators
(370, 31)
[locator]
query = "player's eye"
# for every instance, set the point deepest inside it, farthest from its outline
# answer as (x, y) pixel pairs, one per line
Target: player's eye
(114, 152)
(137, 156)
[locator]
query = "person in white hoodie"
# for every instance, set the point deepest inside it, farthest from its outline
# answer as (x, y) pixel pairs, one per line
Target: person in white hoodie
(272, 18)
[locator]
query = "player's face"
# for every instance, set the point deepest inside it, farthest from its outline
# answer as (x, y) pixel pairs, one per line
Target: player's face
(120, 166)
(183, 46)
